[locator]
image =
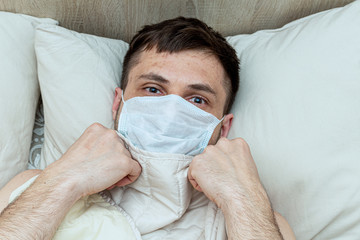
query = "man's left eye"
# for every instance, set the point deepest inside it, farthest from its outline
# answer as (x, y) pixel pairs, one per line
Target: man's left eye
(152, 90)
(197, 100)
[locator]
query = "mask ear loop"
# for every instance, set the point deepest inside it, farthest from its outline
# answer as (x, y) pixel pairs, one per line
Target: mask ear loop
(211, 130)
(122, 96)
(122, 99)
(117, 112)
(219, 122)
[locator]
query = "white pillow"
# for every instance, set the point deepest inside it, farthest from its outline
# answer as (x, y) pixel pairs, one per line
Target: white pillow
(78, 74)
(299, 110)
(19, 91)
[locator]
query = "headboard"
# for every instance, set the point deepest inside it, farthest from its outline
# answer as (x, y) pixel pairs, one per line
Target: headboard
(120, 19)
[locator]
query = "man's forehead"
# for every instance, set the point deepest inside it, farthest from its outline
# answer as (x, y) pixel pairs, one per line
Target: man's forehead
(201, 67)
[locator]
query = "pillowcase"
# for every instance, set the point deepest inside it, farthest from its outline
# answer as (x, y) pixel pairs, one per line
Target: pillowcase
(19, 91)
(299, 110)
(78, 74)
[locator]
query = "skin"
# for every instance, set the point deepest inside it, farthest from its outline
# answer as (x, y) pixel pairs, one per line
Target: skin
(225, 171)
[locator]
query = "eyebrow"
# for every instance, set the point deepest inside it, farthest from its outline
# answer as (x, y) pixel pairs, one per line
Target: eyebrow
(154, 77)
(202, 87)
(195, 86)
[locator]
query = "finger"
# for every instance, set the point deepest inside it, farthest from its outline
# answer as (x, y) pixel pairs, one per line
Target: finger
(135, 170)
(134, 173)
(111, 187)
(193, 182)
(195, 185)
(123, 182)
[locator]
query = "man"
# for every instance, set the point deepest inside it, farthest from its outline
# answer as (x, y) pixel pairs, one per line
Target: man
(181, 57)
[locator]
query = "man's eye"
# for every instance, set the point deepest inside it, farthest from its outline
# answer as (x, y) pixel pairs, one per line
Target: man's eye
(152, 90)
(197, 100)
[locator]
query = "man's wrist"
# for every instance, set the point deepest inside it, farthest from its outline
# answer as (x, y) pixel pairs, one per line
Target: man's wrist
(61, 183)
(252, 213)
(51, 194)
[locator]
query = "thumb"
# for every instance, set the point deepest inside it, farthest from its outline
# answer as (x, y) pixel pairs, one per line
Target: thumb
(193, 181)
(134, 172)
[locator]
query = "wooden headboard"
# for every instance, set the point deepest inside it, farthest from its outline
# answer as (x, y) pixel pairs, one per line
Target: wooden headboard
(120, 19)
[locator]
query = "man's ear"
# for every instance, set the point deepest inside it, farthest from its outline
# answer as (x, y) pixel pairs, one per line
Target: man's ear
(116, 103)
(226, 124)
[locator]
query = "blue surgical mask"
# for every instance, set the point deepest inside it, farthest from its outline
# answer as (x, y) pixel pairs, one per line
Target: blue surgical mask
(166, 124)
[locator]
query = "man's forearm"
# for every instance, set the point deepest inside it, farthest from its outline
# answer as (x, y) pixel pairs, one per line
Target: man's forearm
(38, 212)
(227, 174)
(251, 219)
(96, 161)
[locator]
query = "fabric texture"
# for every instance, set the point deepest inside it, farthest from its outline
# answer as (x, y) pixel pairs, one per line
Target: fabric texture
(298, 108)
(19, 91)
(37, 139)
(93, 218)
(163, 204)
(78, 74)
(90, 218)
(160, 204)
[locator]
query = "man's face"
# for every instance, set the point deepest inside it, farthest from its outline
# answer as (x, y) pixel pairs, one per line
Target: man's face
(196, 76)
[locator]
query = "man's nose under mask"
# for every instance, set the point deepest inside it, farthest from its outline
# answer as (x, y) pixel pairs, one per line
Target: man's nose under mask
(166, 124)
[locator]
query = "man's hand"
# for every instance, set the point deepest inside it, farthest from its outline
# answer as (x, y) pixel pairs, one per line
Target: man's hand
(225, 170)
(228, 176)
(96, 161)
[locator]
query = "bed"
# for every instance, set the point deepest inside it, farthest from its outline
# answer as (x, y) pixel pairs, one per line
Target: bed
(298, 105)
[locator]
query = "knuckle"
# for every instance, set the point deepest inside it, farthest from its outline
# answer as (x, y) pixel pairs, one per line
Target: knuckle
(209, 149)
(110, 134)
(223, 141)
(95, 127)
(240, 141)
(126, 163)
(223, 144)
(195, 162)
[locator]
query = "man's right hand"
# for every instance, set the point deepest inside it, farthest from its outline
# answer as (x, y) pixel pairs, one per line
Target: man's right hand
(96, 161)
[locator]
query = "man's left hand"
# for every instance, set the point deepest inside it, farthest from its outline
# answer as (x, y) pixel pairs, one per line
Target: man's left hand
(227, 174)
(225, 170)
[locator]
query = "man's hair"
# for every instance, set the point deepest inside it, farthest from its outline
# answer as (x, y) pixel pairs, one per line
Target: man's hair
(179, 34)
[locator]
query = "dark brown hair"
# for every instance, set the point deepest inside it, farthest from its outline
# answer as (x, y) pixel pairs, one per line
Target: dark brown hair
(179, 34)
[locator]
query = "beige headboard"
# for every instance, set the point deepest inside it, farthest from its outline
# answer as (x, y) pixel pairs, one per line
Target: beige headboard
(122, 18)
